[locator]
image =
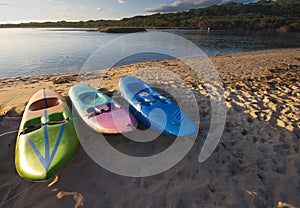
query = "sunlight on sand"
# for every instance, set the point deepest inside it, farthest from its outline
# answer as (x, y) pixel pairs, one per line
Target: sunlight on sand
(78, 197)
(256, 162)
(274, 97)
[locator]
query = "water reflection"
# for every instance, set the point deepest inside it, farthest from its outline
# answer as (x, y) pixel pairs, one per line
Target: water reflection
(37, 51)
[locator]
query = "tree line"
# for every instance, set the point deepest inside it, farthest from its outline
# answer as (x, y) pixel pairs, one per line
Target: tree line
(262, 15)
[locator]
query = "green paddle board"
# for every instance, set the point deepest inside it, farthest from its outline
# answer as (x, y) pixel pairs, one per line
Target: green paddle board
(46, 139)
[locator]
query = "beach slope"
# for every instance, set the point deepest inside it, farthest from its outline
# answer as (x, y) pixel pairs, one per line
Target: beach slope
(256, 163)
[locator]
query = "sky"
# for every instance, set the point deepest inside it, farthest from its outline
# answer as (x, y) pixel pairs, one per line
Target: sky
(16, 11)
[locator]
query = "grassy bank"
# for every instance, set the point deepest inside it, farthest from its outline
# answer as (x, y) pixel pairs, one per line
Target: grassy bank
(122, 29)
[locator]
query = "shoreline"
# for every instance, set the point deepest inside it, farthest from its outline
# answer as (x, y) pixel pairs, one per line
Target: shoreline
(244, 68)
(255, 61)
(25, 77)
(256, 163)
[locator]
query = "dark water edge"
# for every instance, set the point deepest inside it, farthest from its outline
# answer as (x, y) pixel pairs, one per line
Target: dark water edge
(217, 42)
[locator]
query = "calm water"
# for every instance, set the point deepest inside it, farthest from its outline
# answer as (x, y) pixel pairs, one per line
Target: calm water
(37, 51)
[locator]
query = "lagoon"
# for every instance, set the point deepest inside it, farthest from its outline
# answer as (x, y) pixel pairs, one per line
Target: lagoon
(41, 51)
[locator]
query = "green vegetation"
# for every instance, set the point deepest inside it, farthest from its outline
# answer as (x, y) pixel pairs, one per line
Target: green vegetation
(262, 15)
(122, 29)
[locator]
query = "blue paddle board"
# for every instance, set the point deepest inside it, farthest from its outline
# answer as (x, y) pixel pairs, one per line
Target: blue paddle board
(155, 110)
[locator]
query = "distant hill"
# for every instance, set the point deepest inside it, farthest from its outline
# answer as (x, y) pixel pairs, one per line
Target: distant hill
(281, 15)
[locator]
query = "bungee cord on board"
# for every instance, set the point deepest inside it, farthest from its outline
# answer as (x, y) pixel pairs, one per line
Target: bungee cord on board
(34, 126)
(9, 132)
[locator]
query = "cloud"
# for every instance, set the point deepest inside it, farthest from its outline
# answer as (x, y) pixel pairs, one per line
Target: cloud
(122, 1)
(57, 1)
(99, 9)
(4, 4)
(182, 5)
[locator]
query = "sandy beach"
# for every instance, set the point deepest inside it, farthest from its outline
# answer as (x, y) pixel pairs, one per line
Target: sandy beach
(256, 163)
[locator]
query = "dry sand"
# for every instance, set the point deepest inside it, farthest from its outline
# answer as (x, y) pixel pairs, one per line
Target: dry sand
(256, 163)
